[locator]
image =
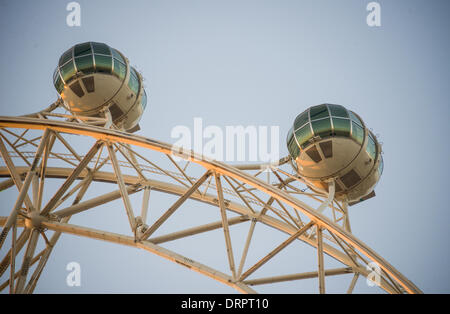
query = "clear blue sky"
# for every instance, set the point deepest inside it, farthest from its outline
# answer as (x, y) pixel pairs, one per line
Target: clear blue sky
(261, 63)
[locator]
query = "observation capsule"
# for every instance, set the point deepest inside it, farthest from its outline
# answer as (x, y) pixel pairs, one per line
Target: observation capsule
(329, 142)
(92, 77)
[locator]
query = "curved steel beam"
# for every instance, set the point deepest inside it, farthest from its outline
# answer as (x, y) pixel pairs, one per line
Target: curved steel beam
(222, 168)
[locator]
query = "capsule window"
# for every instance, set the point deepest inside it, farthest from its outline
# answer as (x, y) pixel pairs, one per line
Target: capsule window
(85, 64)
(313, 153)
(101, 49)
(350, 178)
(303, 135)
(117, 55)
(341, 127)
(65, 57)
(381, 165)
(327, 149)
(371, 147)
(115, 111)
(55, 74)
(301, 120)
(133, 82)
(144, 100)
(322, 128)
(82, 49)
(293, 149)
(355, 118)
(89, 84)
(338, 111)
(120, 70)
(357, 133)
(76, 88)
(68, 71)
(59, 85)
(318, 112)
(103, 64)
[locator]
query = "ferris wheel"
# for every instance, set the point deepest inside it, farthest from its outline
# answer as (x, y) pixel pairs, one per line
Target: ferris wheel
(54, 158)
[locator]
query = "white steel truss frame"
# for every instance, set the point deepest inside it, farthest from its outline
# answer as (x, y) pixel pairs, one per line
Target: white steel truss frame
(325, 228)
